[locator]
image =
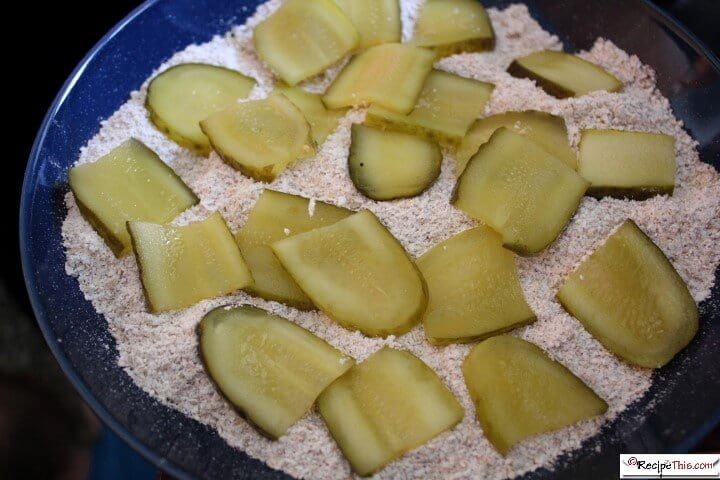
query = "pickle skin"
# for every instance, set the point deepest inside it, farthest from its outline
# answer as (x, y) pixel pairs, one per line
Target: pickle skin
(376, 418)
(346, 361)
(356, 162)
(203, 148)
(511, 383)
(640, 335)
(516, 69)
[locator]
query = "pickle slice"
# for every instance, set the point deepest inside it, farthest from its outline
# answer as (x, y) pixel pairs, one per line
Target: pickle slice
(519, 391)
(629, 296)
(358, 274)
(519, 190)
(377, 21)
(454, 26)
(636, 165)
(473, 289)
(260, 138)
(547, 130)
(322, 121)
(267, 367)
(386, 406)
(447, 106)
(303, 38)
(179, 266)
(386, 165)
(563, 75)
(129, 183)
(182, 96)
(390, 75)
(276, 216)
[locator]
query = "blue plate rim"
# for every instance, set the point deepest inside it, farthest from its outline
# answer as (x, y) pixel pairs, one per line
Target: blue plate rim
(26, 195)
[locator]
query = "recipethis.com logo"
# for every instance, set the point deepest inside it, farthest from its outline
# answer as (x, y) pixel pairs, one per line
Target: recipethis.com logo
(670, 466)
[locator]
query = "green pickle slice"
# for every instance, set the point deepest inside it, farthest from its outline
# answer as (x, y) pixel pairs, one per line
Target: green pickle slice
(473, 289)
(377, 21)
(129, 183)
(628, 295)
(260, 138)
(275, 216)
(447, 106)
(519, 391)
(358, 274)
(547, 130)
(323, 121)
(385, 165)
(268, 368)
(303, 38)
(180, 266)
(635, 165)
(519, 190)
(454, 26)
(390, 75)
(386, 406)
(182, 96)
(564, 75)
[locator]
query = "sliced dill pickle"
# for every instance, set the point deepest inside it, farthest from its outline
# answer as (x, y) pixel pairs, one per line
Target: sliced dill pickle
(260, 138)
(303, 38)
(564, 75)
(377, 21)
(180, 266)
(519, 391)
(129, 183)
(358, 274)
(547, 130)
(628, 295)
(386, 406)
(323, 121)
(520, 190)
(447, 106)
(182, 96)
(454, 26)
(390, 75)
(636, 165)
(473, 289)
(267, 367)
(385, 165)
(275, 216)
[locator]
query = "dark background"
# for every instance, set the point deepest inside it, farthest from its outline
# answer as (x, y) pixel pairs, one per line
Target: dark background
(37, 407)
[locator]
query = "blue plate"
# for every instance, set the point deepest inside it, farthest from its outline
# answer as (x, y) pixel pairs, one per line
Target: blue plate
(686, 392)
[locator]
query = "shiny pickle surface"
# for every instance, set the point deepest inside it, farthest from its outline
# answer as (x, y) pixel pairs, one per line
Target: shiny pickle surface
(377, 21)
(323, 121)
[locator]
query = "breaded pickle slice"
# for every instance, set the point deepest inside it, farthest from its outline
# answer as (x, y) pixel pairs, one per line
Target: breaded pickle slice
(275, 216)
(622, 164)
(564, 75)
(631, 298)
(358, 274)
(447, 106)
(182, 96)
(179, 266)
(323, 121)
(454, 26)
(473, 289)
(377, 21)
(129, 183)
(519, 190)
(547, 130)
(390, 75)
(386, 406)
(385, 165)
(303, 38)
(260, 138)
(519, 391)
(267, 367)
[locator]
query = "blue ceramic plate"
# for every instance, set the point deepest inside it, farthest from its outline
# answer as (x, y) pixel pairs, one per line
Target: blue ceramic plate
(686, 392)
